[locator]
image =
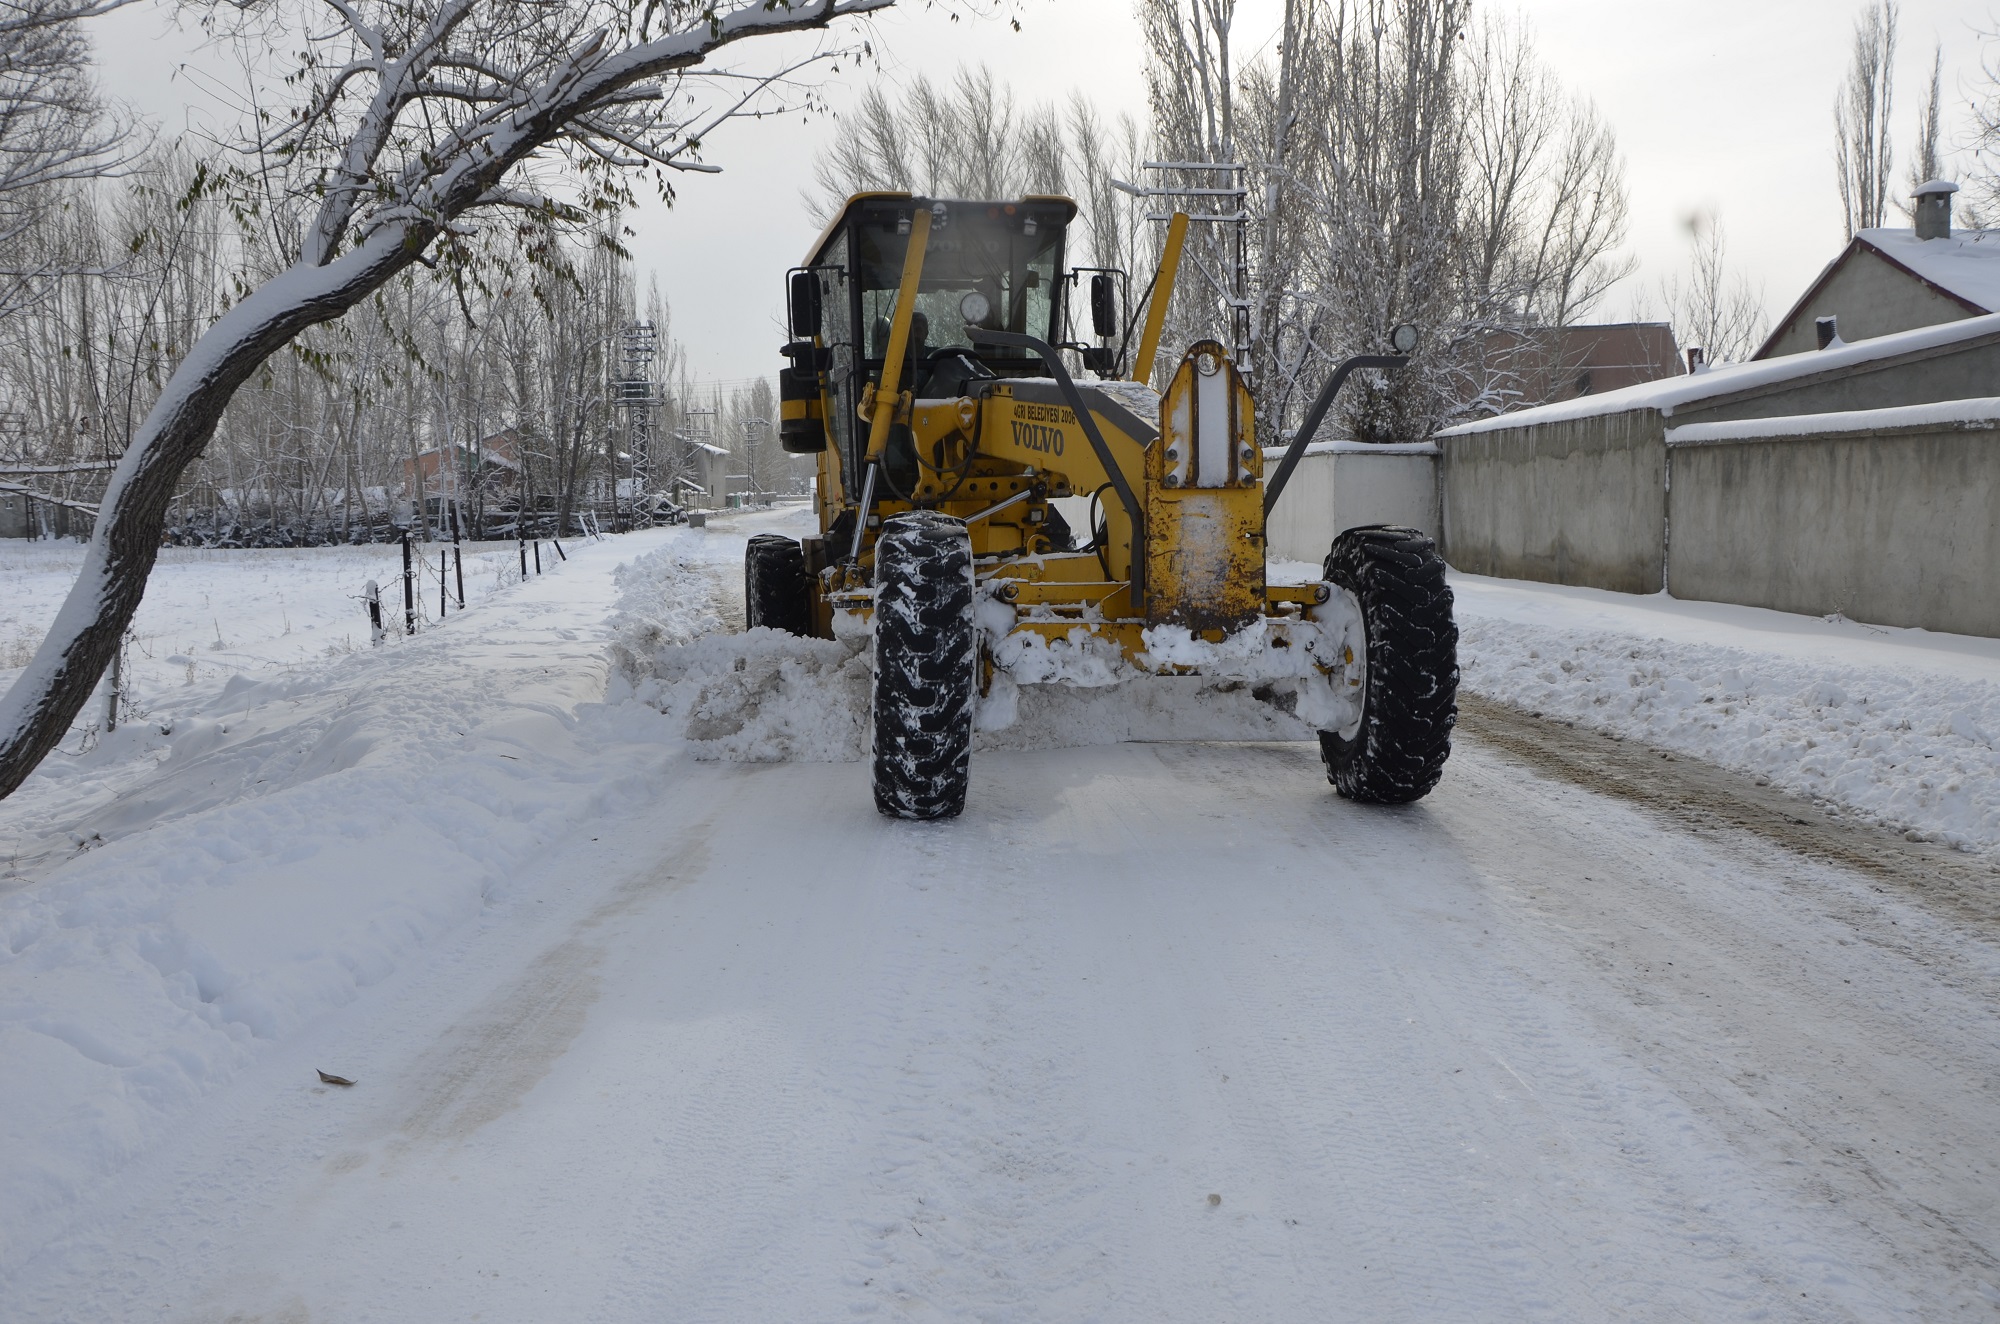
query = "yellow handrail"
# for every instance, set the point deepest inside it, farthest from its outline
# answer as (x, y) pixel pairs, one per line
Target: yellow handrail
(1163, 294)
(882, 402)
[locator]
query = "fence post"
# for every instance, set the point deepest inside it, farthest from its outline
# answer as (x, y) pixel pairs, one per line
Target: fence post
(117, 688)
(521, 546)
(409, 589)
(538, 556)
(457, 563)
(555, 543)
(442, 584)
(372, 596)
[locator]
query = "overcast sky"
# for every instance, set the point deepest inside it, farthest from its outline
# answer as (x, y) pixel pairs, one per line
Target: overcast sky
(1721, 106)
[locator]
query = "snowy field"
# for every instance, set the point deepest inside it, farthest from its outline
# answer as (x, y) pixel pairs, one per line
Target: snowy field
(210, 614)
(652, 1017)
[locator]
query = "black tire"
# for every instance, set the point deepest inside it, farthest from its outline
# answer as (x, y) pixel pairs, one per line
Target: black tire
(926, 656)
(775, 590)
(1411, 701)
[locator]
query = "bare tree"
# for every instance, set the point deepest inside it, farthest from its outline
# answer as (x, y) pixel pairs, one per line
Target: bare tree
(1406, 164)
(1192, 90)
(1713, 309)
(1982, 173)
(54, 128)
(1863, 154)
(1927, 160)
(970, 139)
(418, 122)
(1546, 205)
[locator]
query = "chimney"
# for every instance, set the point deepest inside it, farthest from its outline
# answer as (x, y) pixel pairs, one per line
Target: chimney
(1934, 209)
(1828, 330)
(1696, 359)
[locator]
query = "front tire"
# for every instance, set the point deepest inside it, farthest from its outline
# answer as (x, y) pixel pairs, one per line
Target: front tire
(1398, 752)
(926, 654)
(775, 591)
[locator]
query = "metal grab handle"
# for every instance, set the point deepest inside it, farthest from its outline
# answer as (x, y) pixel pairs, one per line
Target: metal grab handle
(1015, 340)
(1317, 414)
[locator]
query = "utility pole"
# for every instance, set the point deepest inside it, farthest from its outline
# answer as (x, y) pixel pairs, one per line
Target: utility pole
(753, 437)
(634, 394)
(701, 432)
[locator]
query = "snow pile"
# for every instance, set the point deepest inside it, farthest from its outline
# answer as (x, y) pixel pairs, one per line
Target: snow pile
(1899, 727)
(761, 697)
(757, 697)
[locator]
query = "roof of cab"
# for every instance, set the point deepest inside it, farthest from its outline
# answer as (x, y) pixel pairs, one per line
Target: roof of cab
(833, 226)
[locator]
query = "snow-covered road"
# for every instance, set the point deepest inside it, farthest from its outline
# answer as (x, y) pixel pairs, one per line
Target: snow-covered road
(1158, 1031)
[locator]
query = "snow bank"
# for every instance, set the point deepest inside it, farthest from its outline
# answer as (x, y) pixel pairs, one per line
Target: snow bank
(262, 849)
(1899, 727)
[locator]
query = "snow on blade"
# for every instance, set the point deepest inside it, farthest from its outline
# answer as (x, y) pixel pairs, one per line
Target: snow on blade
(767, 697)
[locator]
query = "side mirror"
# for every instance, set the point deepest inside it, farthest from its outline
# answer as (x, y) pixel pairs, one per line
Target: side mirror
(805, 306)
(1103, 304)
(1102, 360)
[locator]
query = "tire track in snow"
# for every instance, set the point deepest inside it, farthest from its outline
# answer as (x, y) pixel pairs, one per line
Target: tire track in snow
(1710, 800)
(489, 1061)
(1333, 1094)
(976, 1181)
(1744, 984)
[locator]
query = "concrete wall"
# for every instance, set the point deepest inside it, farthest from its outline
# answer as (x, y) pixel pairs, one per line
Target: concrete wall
(1895, 527)
(1964, 371)
(1583, 500)
(1576, 501)
(1347, 485)
(1871, 298)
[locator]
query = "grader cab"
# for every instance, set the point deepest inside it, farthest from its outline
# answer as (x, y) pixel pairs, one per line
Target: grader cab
(926, 372)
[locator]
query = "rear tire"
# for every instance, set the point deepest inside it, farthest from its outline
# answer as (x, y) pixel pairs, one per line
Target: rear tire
(775, 590)
(1411, 703)
(926, 654)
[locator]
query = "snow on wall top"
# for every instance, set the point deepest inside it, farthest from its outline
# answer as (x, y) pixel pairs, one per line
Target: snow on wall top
(1672, 392)
(1358, 448)
(1981, 414)
(1967, 264)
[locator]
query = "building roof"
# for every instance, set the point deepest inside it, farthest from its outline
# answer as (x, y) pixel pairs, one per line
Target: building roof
(1691, 388)
(489, 454)
(1964, 268)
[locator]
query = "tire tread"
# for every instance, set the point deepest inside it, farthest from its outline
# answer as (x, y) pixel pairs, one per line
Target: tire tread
(926, 655)
(1412, 699)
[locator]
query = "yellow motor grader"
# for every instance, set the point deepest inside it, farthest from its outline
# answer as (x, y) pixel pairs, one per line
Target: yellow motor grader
(925, 371)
